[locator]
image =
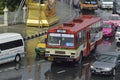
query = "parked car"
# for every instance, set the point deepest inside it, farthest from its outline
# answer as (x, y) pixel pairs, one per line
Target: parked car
(108, 30)
(106, 64)
(116, 6)
(40, 48)
(117, 36)
(106, 4)
(115, 19)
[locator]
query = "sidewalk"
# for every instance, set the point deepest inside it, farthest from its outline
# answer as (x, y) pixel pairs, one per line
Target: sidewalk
(63, 12)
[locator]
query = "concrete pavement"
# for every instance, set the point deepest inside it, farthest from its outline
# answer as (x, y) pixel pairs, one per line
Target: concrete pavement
(63, 11)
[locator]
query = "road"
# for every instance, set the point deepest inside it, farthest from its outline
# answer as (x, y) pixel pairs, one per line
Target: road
(33, 67)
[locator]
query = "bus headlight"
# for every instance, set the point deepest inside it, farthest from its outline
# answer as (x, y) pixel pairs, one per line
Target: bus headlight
(47, 51)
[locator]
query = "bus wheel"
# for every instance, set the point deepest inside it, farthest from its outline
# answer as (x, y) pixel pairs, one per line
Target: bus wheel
(17, 58)
(81, 58)
(95, 47)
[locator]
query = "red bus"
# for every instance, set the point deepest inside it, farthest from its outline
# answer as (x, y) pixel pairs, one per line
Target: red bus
(74, 40)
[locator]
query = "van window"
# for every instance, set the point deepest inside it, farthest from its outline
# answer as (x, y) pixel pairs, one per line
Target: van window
(11, 44)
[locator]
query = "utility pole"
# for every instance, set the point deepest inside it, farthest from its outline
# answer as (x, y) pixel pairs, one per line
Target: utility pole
(39, 16)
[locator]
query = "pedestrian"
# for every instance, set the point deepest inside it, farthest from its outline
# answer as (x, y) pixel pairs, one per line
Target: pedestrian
(71, 4)
(76, 6)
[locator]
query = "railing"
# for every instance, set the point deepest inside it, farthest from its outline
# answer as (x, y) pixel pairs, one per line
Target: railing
(12, 20)
(19, 16)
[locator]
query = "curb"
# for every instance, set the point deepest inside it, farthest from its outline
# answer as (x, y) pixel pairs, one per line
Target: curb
(35, 36)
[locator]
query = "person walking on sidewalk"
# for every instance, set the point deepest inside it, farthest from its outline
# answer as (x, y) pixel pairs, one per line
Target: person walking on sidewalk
(76, 6)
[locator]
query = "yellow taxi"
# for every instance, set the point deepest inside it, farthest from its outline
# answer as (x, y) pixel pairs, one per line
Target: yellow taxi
(40, 48)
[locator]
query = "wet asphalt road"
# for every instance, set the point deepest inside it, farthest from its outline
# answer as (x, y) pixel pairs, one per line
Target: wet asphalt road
(34, 68)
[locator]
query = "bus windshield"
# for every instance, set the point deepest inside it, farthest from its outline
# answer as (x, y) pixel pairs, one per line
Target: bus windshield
(58, 39)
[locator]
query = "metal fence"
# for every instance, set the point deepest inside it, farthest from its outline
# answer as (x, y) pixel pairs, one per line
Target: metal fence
(1, 19)
(15, 17)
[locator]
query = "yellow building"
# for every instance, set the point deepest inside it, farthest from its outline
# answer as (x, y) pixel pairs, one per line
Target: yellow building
(43, 14)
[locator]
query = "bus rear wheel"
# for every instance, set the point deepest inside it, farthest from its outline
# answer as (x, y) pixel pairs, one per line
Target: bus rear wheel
(17, 58)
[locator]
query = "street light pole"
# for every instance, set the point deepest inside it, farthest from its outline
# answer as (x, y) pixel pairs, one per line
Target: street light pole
(39, 17)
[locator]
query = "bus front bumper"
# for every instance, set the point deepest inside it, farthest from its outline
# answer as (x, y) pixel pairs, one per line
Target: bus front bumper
(60, 58)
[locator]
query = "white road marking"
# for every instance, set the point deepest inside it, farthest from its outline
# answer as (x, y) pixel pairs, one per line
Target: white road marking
(61, 71)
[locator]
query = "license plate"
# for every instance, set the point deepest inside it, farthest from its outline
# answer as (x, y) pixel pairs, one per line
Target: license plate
(50, 58)
(97, 70)
(42, 51)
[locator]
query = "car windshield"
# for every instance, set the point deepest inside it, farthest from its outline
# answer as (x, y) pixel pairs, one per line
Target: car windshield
(107, 0)
(118, 29)
(118, 0)
(107, 58)
(57, 39)
(90, 1)
(106, 26)
(114, 18)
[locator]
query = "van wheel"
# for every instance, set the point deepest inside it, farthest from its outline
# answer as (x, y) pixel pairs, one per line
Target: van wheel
(17, 58)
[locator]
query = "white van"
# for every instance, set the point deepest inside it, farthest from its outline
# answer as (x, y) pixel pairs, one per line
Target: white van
(11, 47)
(108, 4)
(117, 36)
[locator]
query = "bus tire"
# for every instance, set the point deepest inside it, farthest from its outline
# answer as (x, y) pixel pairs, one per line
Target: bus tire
(80, 58)
(95, 47)
(17, 58)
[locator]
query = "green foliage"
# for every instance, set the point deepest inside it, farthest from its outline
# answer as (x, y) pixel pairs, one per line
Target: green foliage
(1, 6)
(11, 4)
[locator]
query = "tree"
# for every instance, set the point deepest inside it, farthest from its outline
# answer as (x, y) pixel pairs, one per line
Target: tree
(1, 6)
(11, 4)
